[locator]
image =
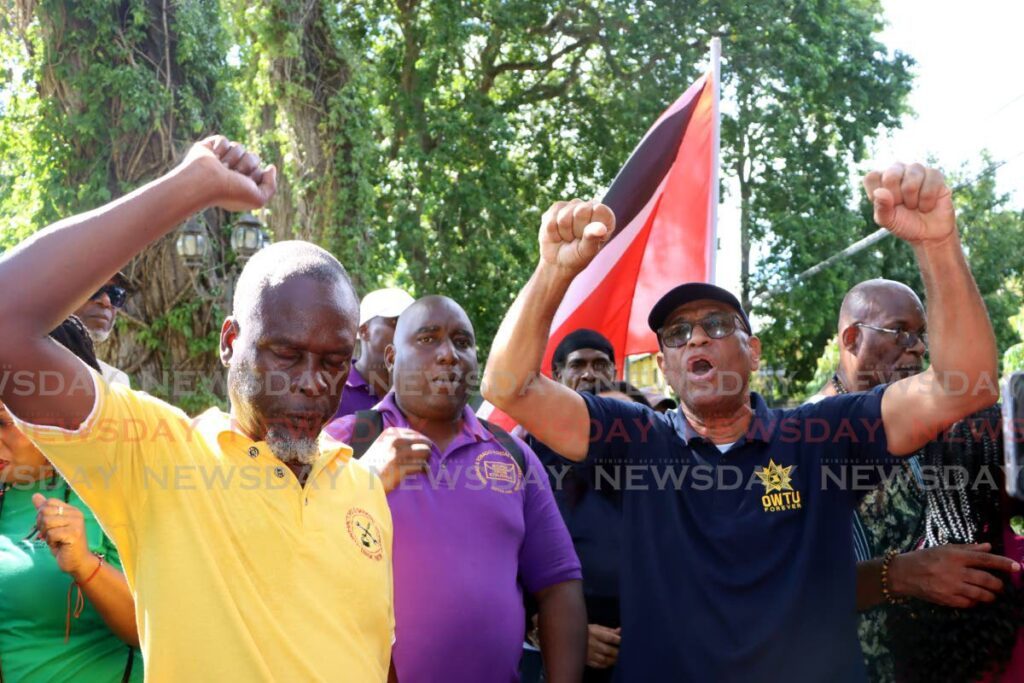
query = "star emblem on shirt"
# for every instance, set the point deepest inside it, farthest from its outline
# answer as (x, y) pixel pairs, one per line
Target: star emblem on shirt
(775, 477)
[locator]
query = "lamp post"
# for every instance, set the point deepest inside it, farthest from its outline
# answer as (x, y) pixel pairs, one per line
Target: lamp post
(192, 245)
(247, 237)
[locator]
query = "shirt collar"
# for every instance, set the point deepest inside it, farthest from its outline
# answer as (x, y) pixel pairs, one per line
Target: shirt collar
(220, 428)
(472, 429)
(762, 425)
(355, 378)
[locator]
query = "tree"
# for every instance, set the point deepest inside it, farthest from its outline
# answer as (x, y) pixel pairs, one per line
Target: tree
(106, 95)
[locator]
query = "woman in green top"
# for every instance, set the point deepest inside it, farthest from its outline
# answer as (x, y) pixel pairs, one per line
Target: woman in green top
(66, 613)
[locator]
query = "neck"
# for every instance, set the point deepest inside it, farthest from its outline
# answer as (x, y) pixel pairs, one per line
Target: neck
(376, 375)
(34, 476)
(720, 429)
(851, 385)
(441, 432)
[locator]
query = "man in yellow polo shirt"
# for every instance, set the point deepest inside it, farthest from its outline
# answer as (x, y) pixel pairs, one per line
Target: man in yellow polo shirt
(255, 549)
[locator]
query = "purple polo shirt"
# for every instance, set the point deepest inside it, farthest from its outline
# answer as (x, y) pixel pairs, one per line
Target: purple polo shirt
(356, 395)
(464, 534)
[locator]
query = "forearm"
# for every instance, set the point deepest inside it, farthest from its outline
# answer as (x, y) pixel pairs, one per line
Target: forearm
(85, 250)
(962, 345)
(518, 348)
(562, 622)
(108, 593)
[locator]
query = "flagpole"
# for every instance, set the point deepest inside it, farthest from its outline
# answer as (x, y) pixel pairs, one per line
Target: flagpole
(716, 83)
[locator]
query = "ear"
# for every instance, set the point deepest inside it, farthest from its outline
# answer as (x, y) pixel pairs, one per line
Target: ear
(754, 343)
(849, 339)
(229, 332)
(660, 357)
(363, 333)
(389, 357)
(556, 373)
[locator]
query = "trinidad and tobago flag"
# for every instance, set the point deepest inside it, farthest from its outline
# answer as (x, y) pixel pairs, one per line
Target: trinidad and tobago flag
(665, 199)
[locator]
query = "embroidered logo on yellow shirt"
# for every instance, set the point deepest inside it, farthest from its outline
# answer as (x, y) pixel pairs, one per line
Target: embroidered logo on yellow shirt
(363, 529)
(778, 487)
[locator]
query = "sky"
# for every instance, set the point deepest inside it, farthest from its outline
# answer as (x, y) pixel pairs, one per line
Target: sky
(968, 95)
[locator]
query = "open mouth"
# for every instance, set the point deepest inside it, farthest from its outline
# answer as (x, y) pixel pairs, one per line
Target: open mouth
(700, 367)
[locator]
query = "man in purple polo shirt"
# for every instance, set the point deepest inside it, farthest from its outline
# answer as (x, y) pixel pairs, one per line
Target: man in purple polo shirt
(473, 530)
(369, 379)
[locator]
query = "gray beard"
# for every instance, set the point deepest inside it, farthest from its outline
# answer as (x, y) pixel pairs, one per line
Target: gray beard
(288, 447)
(99, 337)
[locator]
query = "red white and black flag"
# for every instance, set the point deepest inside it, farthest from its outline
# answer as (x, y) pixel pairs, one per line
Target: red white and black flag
(665, 199)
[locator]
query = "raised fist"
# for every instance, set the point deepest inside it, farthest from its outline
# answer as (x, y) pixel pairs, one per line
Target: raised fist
(234, 176)
(396, 454)
(912, 202)
(571, 233)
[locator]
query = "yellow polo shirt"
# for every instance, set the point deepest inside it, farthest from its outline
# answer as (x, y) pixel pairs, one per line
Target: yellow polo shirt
(239, 573)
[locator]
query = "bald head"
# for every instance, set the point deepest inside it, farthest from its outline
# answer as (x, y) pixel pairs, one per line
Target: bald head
(281, 261)
(873, 345)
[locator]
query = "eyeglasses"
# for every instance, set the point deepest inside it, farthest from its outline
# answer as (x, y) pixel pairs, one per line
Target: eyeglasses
(907, 340)
(118, 295)
(717, 326)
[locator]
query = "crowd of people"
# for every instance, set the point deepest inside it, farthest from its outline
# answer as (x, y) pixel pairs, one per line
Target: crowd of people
(350, 518)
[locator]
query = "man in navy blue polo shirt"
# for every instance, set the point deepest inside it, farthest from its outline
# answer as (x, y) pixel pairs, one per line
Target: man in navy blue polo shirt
(737, 561)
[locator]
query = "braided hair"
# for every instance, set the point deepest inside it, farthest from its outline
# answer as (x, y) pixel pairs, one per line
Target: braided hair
(936, 643)
(74, 336)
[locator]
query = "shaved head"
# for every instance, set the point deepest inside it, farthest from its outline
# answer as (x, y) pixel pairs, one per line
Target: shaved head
(875, 316)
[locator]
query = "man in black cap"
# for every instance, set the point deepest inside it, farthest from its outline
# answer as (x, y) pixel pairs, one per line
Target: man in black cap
(737, 560)
(99, 313)
(584, 361)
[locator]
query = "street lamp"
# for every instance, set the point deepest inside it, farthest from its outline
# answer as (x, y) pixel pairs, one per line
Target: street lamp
(192, 245)
(247, 237)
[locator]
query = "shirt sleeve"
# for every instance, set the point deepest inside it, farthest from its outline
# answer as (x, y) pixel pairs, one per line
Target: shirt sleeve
(106, 459)
(614, 427)
(341, 428)
(547, 556)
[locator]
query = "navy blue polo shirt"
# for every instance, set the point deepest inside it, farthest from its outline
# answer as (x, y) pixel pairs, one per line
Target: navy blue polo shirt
(739, 566)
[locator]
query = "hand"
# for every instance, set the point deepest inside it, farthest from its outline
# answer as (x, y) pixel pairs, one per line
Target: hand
(233, 174)
(602, 646)
(950, 575)
(912, 202)
(62, 526)
(572, 233)
(396, 454)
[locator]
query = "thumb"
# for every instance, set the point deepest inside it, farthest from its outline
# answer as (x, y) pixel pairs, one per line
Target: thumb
(884, 203)
(39, 500)
(268, 184)
(594, 237)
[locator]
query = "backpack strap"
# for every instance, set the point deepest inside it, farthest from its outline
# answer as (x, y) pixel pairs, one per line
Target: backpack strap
(369, 424)
(508, 443)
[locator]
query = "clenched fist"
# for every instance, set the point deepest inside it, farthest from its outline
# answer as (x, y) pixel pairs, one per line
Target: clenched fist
(571, 233)
(912, 202)
(234, 176)
(396, 454)
(62, 526)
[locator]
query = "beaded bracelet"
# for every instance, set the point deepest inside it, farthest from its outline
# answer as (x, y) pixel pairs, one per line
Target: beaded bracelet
(890, 597)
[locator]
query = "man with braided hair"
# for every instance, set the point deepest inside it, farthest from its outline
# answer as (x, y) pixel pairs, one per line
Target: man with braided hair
(915, 536)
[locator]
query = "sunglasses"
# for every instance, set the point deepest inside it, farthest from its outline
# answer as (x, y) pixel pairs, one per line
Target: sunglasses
(907, 340)
(717, 326)
(118, 295)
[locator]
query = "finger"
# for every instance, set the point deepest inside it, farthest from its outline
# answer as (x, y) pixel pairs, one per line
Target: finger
(549, 223)
(581, 218)
(65, 537)
(982, 579)
(932, 189)
(604, 214)
(885, 207)
(602, 649)
(872, 181)
(976, 594)
(910, 187)
(564, 221)
(233, 155)
(248, 164)
(221, 146)
(50, 522)
(608, 636)
(268, 182)
(892, 178)
(986, 560)
(594, 237)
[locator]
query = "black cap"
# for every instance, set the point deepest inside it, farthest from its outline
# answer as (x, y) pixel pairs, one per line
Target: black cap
(692, 291)
(581, 339)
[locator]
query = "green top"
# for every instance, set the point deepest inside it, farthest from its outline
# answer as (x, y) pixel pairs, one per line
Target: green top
(33, 603)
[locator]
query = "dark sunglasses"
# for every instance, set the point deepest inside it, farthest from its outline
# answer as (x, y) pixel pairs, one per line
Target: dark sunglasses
(118, 295)
(717, 326)
(907, 340)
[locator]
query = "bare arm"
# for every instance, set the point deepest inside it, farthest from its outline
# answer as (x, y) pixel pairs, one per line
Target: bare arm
(914, 203)
(571, 235)
(562, 622)
(66, 262)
